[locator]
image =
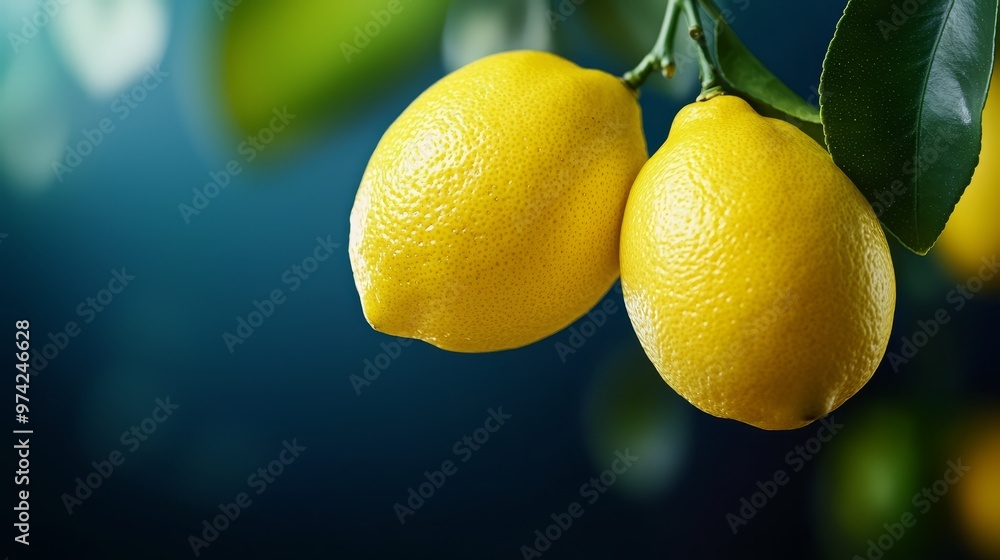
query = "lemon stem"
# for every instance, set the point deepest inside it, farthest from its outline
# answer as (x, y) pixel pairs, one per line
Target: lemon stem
(709, 80)
(661, 58)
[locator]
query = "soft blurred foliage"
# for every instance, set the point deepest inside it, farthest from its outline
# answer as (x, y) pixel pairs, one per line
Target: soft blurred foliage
(868, 479)
(332, 55)
(627, 409)
(346, 70)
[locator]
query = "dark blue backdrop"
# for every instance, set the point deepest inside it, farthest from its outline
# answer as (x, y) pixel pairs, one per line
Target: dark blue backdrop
(288, 385)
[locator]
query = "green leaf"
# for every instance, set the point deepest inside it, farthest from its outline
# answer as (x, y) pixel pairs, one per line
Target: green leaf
(745, 75)
(321, 59)
(901, 96)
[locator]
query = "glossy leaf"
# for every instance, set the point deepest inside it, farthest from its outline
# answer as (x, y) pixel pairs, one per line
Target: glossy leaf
(901, 96)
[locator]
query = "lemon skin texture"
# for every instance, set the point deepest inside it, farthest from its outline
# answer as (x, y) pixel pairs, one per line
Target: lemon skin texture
(489, 215)
(756, 276)
(973, 230)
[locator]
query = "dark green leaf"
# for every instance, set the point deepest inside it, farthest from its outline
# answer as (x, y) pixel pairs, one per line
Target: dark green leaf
(902, 95)
(746, 76)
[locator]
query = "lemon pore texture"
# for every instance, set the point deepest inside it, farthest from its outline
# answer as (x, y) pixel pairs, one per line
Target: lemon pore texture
(756, 276)
(489, 215)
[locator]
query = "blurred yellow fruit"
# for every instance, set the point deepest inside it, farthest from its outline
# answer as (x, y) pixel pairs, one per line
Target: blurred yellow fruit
(979, 493)
(756, 275)
(973, 230)
(489, 214)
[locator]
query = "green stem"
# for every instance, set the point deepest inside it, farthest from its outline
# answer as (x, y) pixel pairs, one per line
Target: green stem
(709, 79)
(662, 56)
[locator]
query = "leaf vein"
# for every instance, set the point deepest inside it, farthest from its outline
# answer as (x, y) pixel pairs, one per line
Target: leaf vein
(920, 122)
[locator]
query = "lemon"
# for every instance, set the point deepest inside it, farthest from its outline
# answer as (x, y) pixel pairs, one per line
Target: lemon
(756, 276)
(489, 215)
(978, 499)
(973, 230)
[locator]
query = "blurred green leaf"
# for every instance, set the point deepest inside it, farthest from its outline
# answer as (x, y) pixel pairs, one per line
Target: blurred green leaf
(867, 476)
(630, 407)
(319, 59)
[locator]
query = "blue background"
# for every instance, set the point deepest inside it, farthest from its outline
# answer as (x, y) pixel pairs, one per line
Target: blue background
(162, 336)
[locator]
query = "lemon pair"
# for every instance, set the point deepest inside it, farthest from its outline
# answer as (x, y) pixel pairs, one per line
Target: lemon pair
(503, 203)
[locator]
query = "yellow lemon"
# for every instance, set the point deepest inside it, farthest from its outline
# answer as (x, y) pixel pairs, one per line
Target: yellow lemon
(973, 230)
(979, 493)
(489, 215)
(756, 276)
